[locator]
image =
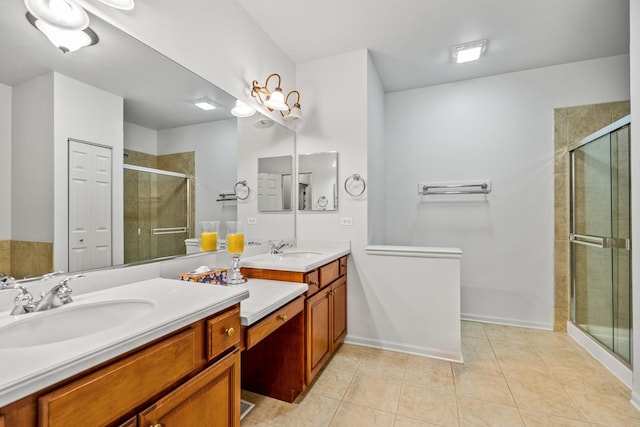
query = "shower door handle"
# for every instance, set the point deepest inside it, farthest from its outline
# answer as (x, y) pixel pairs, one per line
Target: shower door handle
(600, 242)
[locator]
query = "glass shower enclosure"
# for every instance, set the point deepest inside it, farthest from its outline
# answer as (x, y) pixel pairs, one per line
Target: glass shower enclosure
(157, 208)
(601, 237)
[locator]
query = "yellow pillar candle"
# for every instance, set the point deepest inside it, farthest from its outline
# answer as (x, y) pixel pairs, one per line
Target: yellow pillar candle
(209, 241)
(235, 243)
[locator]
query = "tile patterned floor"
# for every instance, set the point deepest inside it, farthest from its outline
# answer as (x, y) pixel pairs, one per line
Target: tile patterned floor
(511, 377)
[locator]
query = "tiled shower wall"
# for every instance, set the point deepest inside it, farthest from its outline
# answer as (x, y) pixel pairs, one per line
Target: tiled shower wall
(572, 124)
(22, 259)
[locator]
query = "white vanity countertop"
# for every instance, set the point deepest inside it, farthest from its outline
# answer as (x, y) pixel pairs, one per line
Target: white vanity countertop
(266, 296)
(304, 257)
(175, 304)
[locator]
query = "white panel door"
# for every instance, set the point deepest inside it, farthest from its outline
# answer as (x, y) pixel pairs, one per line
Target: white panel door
(269, 192)
(89, 206)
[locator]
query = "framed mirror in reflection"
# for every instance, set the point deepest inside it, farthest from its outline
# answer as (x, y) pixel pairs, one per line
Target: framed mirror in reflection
(131, 111)
(318, 181)
(275, 184)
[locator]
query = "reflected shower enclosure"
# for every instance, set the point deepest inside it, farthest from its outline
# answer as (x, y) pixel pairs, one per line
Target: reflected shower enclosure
(157, 206)
(600, 237)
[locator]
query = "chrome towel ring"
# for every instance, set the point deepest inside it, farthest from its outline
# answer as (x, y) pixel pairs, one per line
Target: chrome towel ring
(355, 179)
(242, 190)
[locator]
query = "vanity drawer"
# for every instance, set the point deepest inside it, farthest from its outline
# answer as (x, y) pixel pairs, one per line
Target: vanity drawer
(273, 321)
(124, 384)
(223, 332)
(329, 273)
(313, 282)
(343, 266)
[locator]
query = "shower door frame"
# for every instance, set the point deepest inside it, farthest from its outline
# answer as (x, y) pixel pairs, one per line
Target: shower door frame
(594, 241)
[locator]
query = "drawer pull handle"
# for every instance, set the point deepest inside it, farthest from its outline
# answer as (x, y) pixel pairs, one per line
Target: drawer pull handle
(284, 318)
(229, 332)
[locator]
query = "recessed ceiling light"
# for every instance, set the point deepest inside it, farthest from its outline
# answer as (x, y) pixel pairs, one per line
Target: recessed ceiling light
(205, 104)
(469, 51)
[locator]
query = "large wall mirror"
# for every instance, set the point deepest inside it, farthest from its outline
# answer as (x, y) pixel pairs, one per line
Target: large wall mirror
(318, 181)
(132, 109)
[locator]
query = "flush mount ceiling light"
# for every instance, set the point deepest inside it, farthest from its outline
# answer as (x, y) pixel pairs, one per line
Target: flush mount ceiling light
(62, 14)
(65, 40)
(276, 100)
(469, 51)
(119, 4)
(242, 110)
(205, 104)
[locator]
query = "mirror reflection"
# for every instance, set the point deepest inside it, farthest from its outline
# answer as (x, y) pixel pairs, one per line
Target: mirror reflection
(161, 162)
(274, 183)
(318, 181)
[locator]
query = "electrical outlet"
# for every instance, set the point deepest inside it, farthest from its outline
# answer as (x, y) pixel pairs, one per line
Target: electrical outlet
(346, 220)
(252, 221)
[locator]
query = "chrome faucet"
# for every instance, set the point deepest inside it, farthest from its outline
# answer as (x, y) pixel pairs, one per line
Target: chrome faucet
(58, 295)
(276, 247)
(23, 303)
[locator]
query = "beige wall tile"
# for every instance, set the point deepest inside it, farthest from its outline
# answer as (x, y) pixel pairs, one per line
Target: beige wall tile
(5, 257)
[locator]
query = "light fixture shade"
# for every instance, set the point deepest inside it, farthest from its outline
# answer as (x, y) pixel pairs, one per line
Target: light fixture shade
(65, 40)
(295, 114)
(62, 14)
(119, 4)
(242, 110)
(275, 101)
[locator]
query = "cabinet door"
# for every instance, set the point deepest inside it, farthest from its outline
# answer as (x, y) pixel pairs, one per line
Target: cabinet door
(210, 399)
(318, 314)
(339, 315)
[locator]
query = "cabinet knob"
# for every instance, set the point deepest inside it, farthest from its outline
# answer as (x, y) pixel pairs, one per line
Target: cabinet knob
(315, 283)
(284, 318)
(157, 425)
(229, 332)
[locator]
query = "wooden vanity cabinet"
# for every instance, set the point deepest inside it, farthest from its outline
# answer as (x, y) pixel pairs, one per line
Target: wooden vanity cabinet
(179, 380)
(325, 309)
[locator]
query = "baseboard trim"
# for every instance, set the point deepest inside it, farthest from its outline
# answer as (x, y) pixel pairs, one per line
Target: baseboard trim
(507, 322)
(615, 366)
(450, 356)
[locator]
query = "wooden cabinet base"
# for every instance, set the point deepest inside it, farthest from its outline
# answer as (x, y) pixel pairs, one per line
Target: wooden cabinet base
(275, 366)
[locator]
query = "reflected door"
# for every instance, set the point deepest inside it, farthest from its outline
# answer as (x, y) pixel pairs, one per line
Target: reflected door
(600, 240)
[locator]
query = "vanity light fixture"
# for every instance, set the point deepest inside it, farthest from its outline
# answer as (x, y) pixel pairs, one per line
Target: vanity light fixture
(295, 112)
(276, 100)
(242, 109)
(65, 40)
(205, 104)
(468, 52)
(65, 22)
(61, 14)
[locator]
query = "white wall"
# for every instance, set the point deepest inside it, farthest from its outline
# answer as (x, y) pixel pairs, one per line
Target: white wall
(5, 166)
(140, 138)
(499, 128)
(253, 143)
(634, 19)
(32, 190)
(375, 156)
(215, 146)
(392, 303)
(92, 115)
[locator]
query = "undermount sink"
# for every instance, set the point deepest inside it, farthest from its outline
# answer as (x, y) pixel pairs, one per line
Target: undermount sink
(299, 254)
(69, 322)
